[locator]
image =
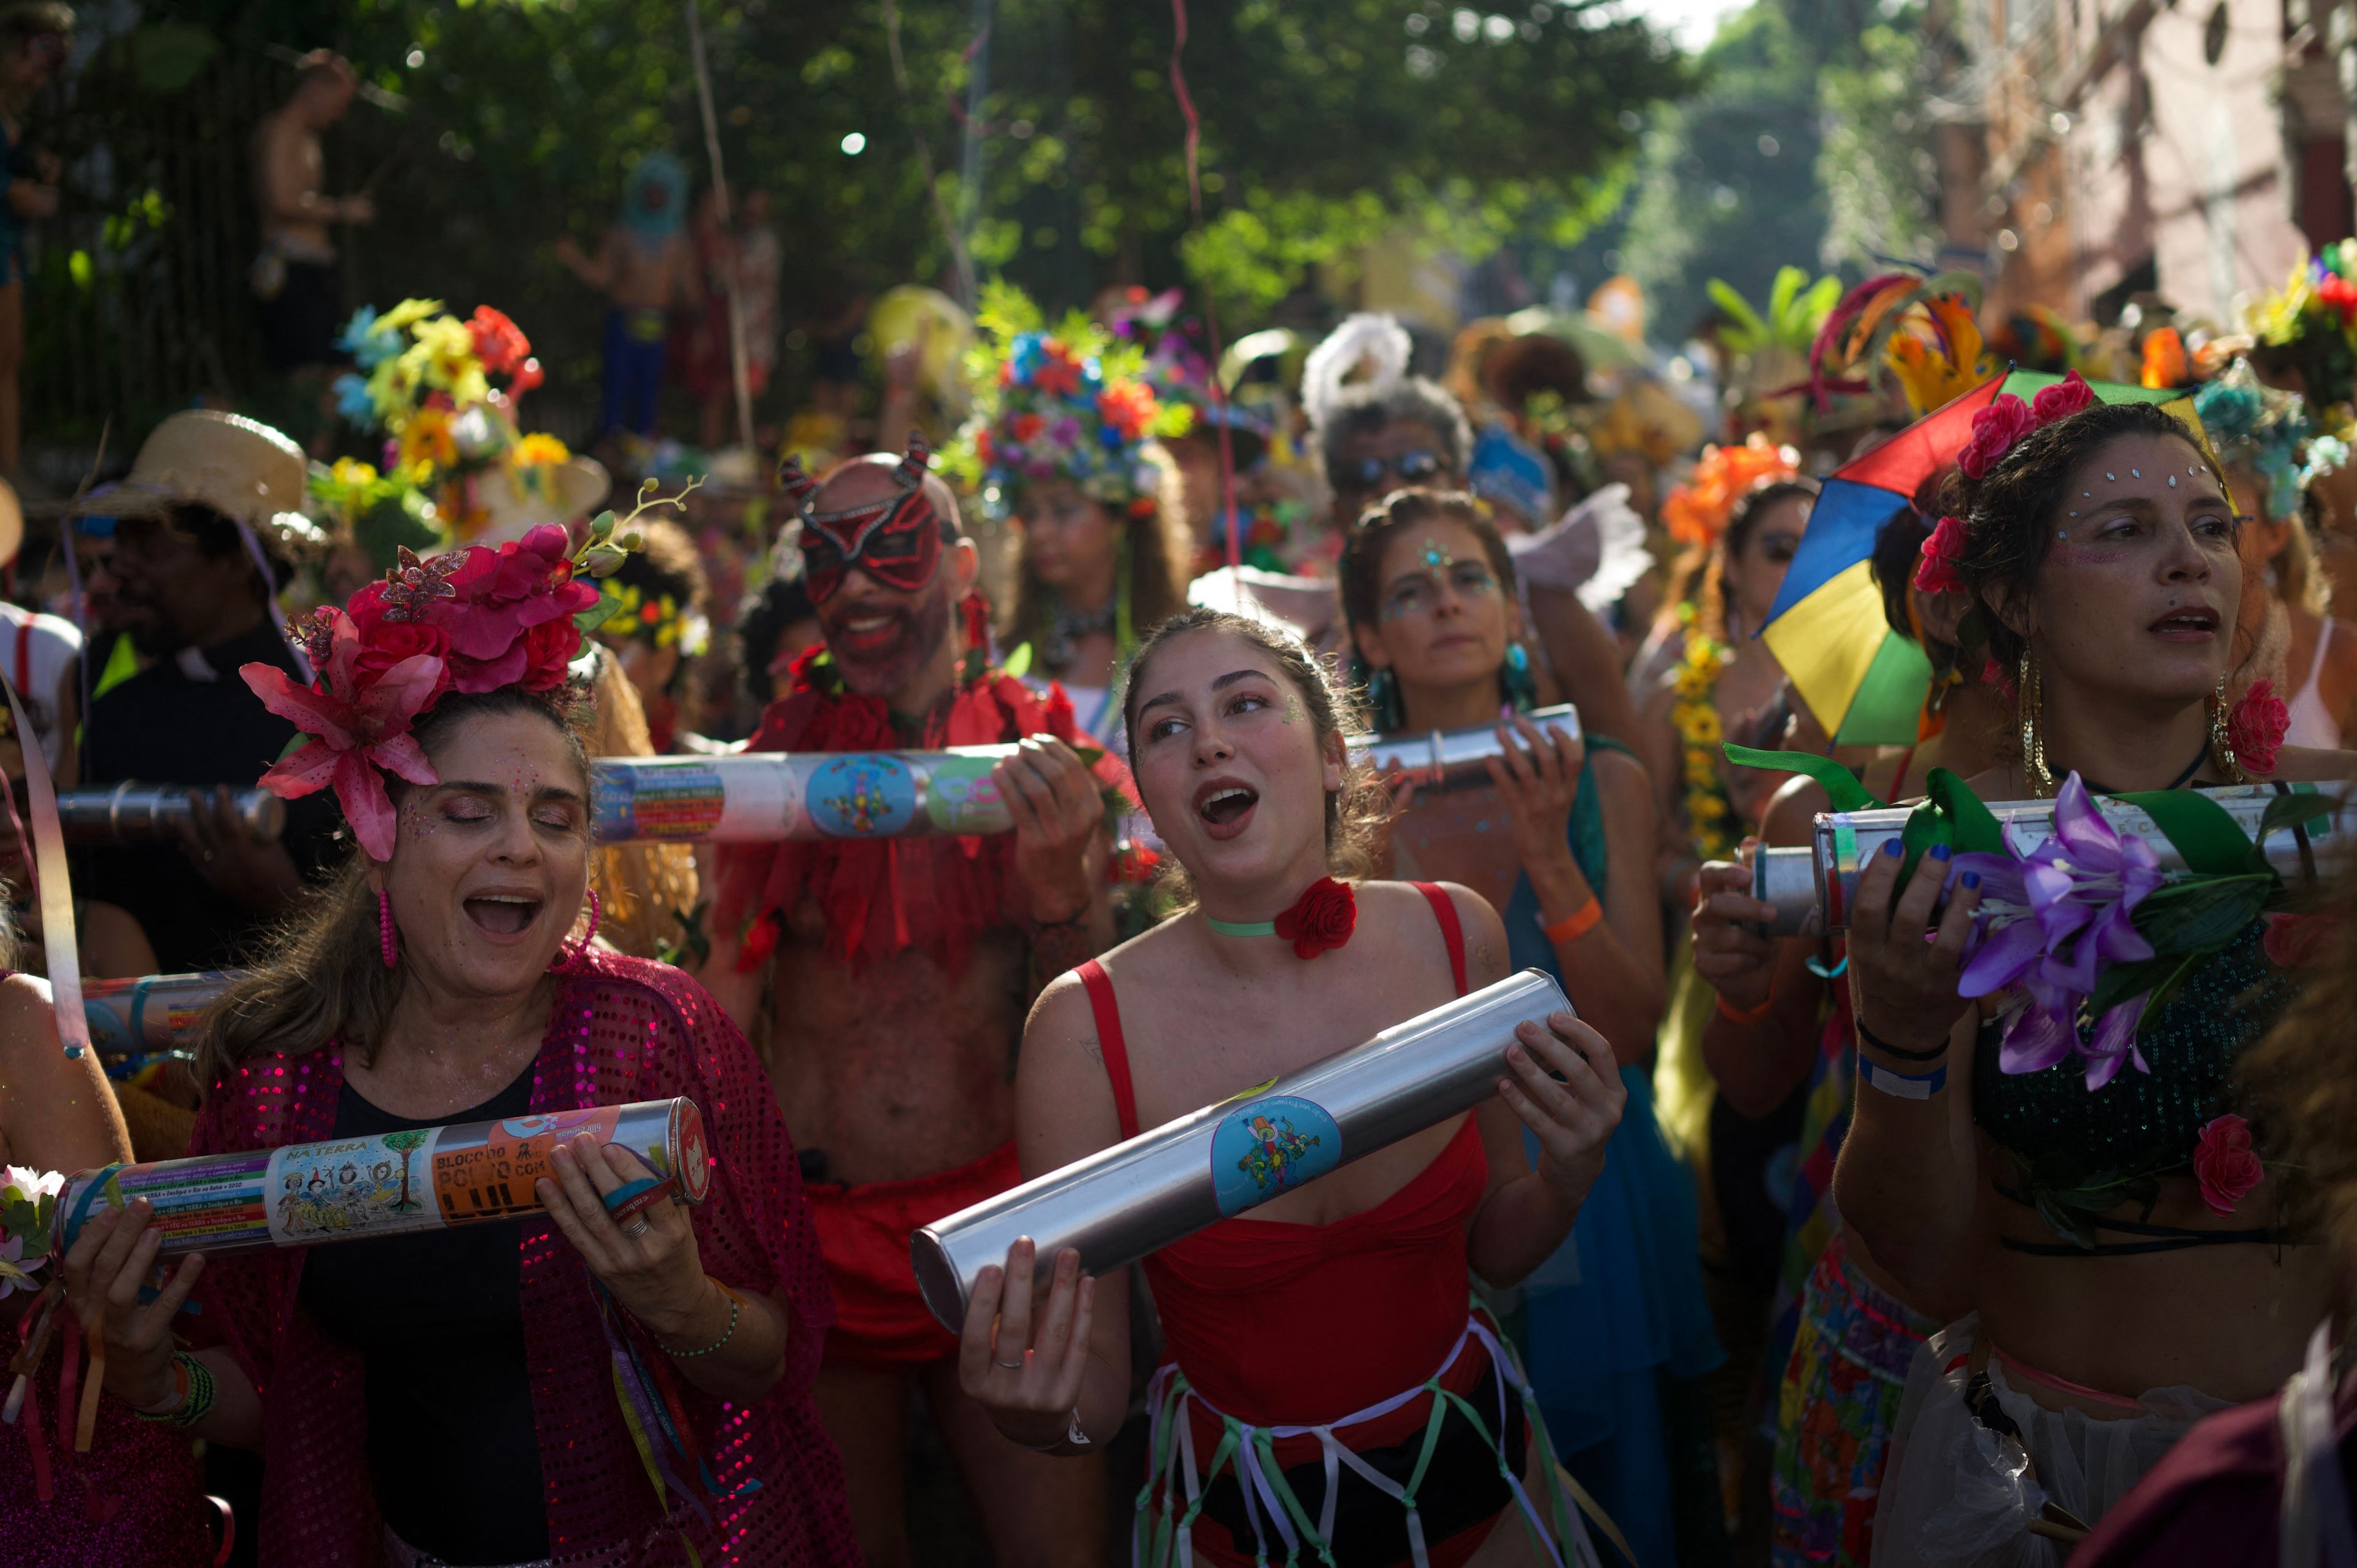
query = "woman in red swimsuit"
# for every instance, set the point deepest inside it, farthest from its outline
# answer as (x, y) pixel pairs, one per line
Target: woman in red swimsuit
(1327, 1393)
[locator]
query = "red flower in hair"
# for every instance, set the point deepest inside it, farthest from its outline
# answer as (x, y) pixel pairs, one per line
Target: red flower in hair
(1323, 917)
(2256, 726)
(501, 596)
(500, 343)
(2224, 1165)
(1995, 430)
(2063, 398)
(356, 726)
(1935, 570)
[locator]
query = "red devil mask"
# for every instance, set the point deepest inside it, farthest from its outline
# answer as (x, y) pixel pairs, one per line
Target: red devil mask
(896, 540)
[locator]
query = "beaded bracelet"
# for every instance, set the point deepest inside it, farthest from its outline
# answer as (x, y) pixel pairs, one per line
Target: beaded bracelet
(192, 1382)
(736, 1306)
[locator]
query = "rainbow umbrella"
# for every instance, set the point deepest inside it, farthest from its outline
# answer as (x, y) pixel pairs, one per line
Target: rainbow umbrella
(1867, 684)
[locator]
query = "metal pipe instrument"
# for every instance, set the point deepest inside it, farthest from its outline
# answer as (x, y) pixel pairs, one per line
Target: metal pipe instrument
(1439, 758)
(384, 1184)
(761, 797)
(132, 812)
(1812, 888)
(1163, 1185)
(151, 1013)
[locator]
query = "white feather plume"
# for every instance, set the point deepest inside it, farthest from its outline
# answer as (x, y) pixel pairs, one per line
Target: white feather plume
(1596, 550)
(1364, 336)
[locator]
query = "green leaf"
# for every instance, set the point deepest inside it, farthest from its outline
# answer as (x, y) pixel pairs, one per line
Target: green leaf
(1782, 294)
(597, 615)
(1750, 330)
(1840, 785)
(2161, 995)
(2206, 838)
(2286, 811)
(1018, 663)
(2206, 912)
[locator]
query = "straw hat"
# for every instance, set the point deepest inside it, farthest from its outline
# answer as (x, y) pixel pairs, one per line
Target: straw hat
(559, 493)
(12, 524)
(246, 471)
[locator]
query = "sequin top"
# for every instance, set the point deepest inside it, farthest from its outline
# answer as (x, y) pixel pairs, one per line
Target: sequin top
(622, 1029)
(2140, 1122)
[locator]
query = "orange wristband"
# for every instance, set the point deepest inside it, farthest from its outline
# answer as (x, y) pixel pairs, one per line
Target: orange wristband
(1745, 1014)
(1577, 924)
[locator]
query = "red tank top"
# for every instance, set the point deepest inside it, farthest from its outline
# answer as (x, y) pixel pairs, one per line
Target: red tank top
(1277, 1323)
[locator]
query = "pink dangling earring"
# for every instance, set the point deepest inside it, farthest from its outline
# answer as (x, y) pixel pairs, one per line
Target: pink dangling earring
(566, 956)
(384, 941)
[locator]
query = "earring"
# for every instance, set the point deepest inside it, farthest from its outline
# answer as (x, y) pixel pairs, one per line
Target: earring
(1383, 698)
(567, 956)
(2221, 745)
(1516, 682)
(384, 941)
(2033, 743)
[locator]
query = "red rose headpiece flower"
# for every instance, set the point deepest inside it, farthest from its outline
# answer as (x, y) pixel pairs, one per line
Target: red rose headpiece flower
(475, 620)
(2256, 726)
(1935, 570)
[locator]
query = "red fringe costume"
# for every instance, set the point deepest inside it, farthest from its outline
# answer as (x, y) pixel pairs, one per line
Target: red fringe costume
(882, 896)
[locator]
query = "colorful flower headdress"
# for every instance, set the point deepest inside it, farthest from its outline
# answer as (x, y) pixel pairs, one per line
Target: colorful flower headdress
(1921, 330)
(1696, 512)
(428, 386)
(2313, 318)
(1996, 430)
(2268, 432)
(1073, 403)
(474, 620)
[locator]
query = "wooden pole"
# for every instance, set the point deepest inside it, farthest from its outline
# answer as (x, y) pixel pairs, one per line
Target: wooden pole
(738, 372)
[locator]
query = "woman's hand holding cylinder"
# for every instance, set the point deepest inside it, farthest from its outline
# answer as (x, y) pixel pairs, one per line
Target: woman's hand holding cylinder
(649, 1262)
(1906, 985)
(104, 1269)
(1029, 1375)
(1566, 1088)
(1730, 950)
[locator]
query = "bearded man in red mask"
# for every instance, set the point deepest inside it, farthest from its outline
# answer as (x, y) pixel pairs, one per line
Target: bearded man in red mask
(899, 972)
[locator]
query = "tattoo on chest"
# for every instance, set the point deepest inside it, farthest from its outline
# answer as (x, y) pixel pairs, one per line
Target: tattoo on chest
(1089, 1043)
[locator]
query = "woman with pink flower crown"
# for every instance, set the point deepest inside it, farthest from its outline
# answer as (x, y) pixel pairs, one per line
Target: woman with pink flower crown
(461, 1396)
(2042, 1126)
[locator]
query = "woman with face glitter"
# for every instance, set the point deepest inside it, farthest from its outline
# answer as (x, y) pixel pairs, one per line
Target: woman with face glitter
(2096, 1195)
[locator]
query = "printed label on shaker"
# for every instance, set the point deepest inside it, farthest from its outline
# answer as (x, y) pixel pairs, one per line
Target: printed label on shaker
(961, 797)
(669, 802)
(1268, 1147)
(486, 1171)
(211, 1201)
(346, 1187)
(868, 795)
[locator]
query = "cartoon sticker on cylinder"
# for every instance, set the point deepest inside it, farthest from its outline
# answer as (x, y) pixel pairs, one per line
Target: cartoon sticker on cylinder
(961, 797)
(861, 796)
(1268, 1147)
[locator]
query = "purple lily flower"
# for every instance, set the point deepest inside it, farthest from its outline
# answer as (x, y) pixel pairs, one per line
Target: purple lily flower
(2079, 888)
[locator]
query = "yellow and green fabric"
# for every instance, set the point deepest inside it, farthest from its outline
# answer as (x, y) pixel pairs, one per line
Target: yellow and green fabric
(1867, 684)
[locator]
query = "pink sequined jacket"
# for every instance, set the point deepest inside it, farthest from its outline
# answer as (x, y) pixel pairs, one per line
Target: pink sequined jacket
(623, 1029)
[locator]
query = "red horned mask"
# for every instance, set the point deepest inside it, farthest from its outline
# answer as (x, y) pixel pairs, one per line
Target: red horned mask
(896, 540)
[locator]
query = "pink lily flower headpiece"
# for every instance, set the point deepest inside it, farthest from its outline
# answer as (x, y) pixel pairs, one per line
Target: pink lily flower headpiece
(475, 620)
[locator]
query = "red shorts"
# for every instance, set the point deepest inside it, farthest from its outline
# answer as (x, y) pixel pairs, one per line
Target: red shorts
(880, 1321)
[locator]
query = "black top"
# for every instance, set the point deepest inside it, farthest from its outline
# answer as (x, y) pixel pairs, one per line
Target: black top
(189, 719)
(439, 1318)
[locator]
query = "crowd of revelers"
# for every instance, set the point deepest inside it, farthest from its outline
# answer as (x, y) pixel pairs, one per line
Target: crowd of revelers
(2000, 1218)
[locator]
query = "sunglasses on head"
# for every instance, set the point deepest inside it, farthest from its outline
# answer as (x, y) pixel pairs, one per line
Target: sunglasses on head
(1408, 467)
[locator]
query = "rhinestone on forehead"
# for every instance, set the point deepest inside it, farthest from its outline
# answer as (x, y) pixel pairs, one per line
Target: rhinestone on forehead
(2172, 481)
(2136, 473)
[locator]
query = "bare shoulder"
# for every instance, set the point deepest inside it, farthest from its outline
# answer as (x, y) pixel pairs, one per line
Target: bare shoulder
(1061, 1017)
(28, 1023)
(1793, 811)
(1624, 784)
(1484, 932)
(2301, 764)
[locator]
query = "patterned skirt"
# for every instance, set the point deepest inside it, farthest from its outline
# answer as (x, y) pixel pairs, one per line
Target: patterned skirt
(1835, 1412)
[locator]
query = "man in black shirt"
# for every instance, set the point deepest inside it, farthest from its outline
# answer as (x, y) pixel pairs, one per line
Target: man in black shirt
(211, 500)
